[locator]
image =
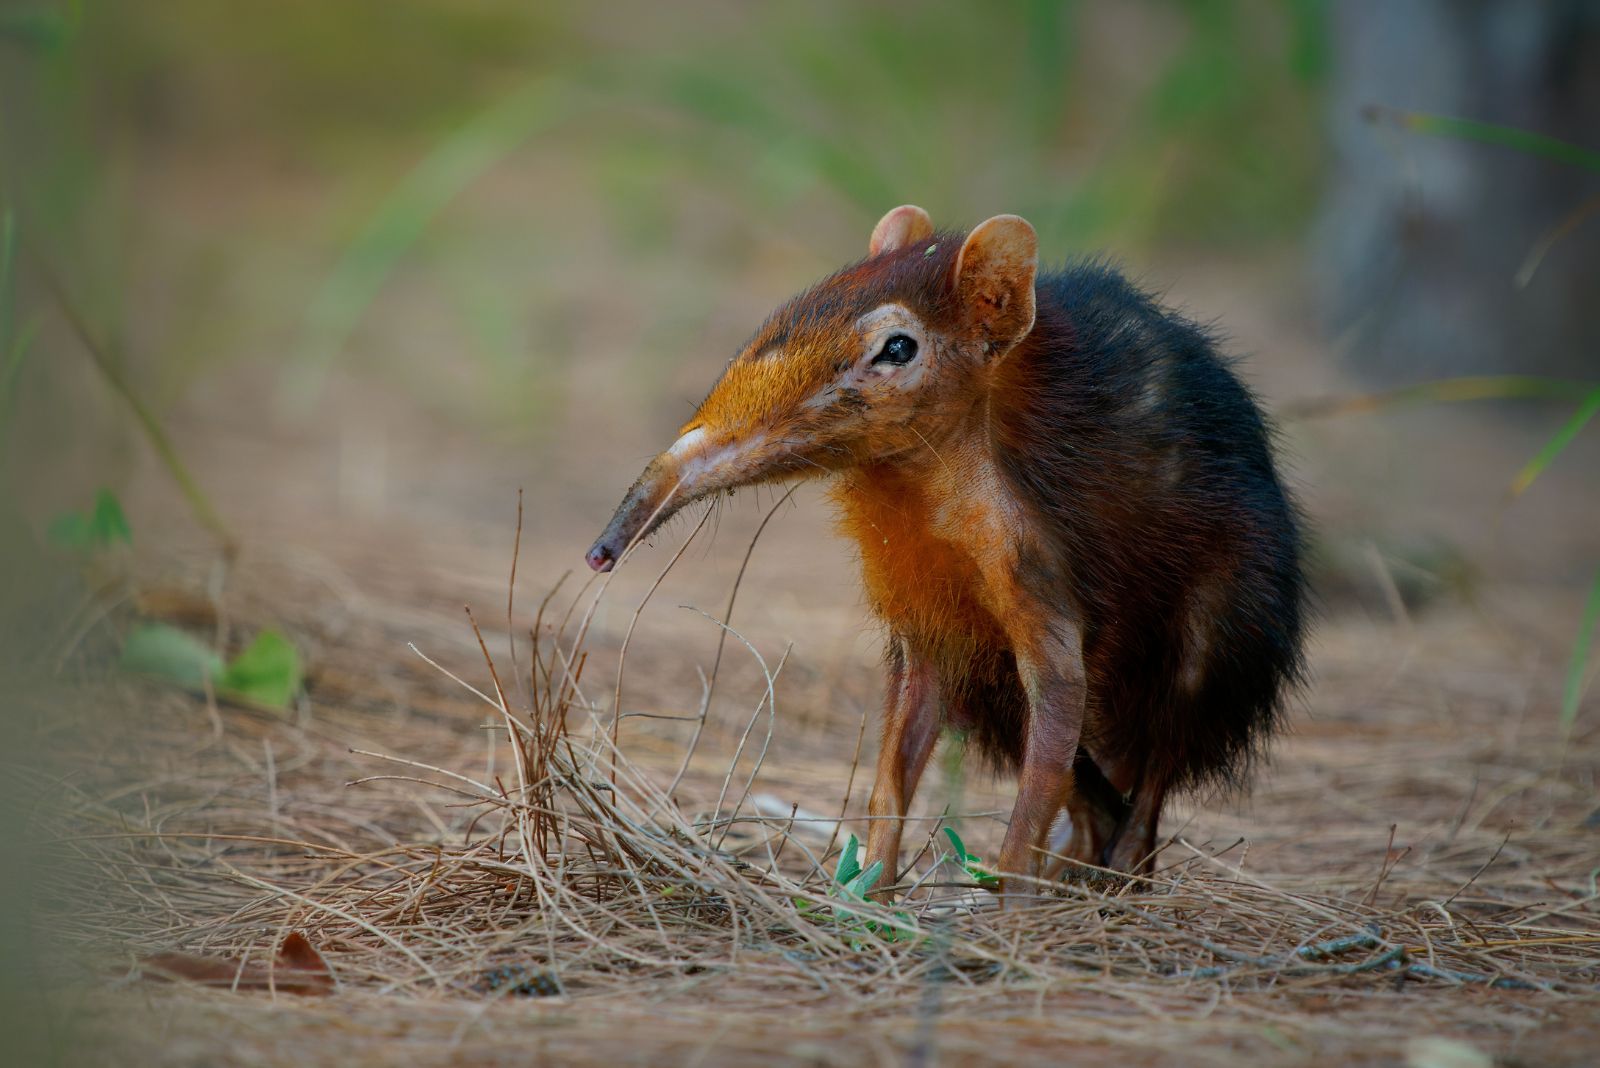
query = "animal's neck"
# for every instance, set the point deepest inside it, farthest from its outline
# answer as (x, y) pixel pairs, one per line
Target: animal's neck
(936, 535)
(947, 481)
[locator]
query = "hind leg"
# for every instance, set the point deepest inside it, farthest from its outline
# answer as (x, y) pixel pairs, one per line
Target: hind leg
(1092, 816)
(1131, 844)
(1134, 846)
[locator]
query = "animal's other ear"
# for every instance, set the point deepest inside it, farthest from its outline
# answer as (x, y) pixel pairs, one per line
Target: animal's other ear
(899, 228)
(994, 280)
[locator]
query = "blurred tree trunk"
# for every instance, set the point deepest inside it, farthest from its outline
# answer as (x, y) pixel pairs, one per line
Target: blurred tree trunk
(1421, 238)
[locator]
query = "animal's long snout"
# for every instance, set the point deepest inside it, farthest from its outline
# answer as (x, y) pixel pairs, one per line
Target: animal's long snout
(648, 504)
(699, 463)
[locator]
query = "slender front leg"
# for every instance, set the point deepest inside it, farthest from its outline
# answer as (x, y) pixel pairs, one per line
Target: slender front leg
(910, 729)
(1051, 668)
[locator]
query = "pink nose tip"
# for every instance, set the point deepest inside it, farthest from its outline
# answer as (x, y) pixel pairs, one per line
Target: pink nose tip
(601, 557)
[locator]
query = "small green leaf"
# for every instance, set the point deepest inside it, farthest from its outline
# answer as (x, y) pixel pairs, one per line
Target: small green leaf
(849, 862)
(266, 672)
(981, 875)
(109, 524)
(70, 530)
(891, 933)
(865, 880)
(169, 653)
(971, 863)
(101, 528)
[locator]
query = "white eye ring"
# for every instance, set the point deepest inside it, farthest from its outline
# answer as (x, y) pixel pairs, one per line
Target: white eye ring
(895, 349)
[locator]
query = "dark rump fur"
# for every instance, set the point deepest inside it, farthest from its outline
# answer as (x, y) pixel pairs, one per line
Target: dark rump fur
(1149, 466)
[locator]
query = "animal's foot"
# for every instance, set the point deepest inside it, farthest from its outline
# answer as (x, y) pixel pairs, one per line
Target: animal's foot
(1134, 850)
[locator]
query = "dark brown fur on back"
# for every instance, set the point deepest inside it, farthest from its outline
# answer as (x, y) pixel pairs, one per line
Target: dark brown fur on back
(1150, 466)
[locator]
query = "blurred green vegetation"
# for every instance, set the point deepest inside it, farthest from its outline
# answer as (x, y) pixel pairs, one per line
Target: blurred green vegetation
(246, 181)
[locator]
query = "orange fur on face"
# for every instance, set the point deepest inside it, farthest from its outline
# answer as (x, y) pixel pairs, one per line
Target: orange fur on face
(763, 388)
(802, 388)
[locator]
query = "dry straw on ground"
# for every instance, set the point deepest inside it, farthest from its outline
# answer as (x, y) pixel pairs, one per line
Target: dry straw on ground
(573, 899)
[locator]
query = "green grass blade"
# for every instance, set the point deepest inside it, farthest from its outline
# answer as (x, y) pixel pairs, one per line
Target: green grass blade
(1557, 444)
(15, 358)
(405, 214)
(724, 104)
(1443, 391)
(1577, 668)
(1490, 133)
(109, 367)
(8, 259)
(1049, 65)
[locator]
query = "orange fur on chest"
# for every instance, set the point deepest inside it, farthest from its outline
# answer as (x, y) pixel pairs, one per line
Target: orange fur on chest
(924, 583)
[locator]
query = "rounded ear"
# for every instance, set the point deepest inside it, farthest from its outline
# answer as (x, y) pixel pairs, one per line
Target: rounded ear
(901, 227)
(994, 274)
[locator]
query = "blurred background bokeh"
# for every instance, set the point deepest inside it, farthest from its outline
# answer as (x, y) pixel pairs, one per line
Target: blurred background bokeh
(533, 221)
(537, 220)
(373, 265)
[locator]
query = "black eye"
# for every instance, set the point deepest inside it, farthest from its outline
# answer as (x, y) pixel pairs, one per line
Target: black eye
(899, 350)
